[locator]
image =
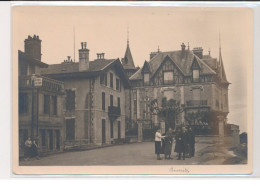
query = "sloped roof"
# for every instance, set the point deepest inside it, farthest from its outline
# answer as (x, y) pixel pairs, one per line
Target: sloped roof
(28, 58)
(96, 67)
(211, 62)
(184, 64)
(70, 67)
(128, 62)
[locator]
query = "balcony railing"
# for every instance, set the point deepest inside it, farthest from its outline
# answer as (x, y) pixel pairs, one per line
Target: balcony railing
(194, 103)
(47, 83)
(114, 112)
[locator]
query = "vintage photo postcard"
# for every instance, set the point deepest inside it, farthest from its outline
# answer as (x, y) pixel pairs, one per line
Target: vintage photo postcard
(132, 90)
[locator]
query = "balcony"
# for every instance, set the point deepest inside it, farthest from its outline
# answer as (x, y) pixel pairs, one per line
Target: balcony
(114, 112)
(196, 103)
(46, 83)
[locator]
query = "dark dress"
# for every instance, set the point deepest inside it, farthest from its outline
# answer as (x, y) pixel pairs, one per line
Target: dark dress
(191, 143)
(179, 143)
(168, 143)
(34, 150)
(158, 147)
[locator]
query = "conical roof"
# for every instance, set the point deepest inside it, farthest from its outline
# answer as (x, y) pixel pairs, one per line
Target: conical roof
(127, 61)
(221, 70)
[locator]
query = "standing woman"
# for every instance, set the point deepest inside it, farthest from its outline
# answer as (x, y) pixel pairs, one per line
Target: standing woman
(168, 144)
(179, 143)
(158, 140)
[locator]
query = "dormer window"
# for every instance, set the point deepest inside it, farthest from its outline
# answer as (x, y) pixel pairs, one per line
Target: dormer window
(168, 77)
(146, 78)
(196, 75)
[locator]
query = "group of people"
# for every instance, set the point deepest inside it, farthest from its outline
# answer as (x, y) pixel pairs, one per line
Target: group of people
(184, 143)
(31, 149)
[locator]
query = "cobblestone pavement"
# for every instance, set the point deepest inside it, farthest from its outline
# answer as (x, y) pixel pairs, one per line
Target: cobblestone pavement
(127, 154)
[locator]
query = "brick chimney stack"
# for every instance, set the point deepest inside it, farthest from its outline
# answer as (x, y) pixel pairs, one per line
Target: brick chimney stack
(183, 46)
(198, 51)
(83, 57)
(32, 47)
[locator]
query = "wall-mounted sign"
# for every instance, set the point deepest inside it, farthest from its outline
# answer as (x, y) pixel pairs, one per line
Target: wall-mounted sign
(38, 82)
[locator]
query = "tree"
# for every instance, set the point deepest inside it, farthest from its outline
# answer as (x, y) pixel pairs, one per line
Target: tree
(169, 111)
(203, 122)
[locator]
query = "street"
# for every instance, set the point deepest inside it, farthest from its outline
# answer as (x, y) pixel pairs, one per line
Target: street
(127, 154)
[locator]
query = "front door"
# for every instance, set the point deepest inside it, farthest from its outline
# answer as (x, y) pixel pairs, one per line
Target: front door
(103, 131)
(50, 140)
(57, 139)
(119, 129)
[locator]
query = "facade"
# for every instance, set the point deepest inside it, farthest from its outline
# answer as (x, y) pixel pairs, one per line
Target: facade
(195, 83)
(130, 69)
(40, 100)
(94, 104)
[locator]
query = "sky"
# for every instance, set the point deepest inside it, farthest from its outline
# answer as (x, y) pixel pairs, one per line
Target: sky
(105, 30)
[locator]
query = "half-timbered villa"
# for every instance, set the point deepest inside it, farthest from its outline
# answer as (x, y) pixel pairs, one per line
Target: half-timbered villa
(195, 83)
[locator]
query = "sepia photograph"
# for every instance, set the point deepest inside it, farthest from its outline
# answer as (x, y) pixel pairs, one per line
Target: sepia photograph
(132, 90)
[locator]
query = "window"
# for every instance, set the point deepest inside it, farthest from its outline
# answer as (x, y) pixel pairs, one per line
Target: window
(167, 77)
(111, 80)
(103, 101)
(70, 129)
(146, 78)
(217, 103)
(111, 129)
(196, 94)
(103, 79)
(43, 137)
(111, 100)
(196, 75)
(31, 69)
(23, 69)
(70, 99)
(135, 106)
(23, 103)
(46, 104)
(54, 100)
(117, 84)
(118, 102)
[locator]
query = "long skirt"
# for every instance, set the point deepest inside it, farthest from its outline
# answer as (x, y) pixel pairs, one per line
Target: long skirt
(168, 148)
(158, 147)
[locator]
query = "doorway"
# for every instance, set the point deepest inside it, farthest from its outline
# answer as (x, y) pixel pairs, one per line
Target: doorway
(103, 131)
(57, 139)
(50, 139)
(119, 129)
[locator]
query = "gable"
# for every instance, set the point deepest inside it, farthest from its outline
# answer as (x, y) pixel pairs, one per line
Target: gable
(146, 68)
(168, 66)
(195, 64)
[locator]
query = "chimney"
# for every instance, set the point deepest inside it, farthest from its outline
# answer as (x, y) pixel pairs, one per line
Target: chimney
(100, 55)
(32, 47)
(83, 57)
(182, 50)
(198, 51)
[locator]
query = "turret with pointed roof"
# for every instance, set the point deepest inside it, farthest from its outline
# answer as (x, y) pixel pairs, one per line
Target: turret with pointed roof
(220, 68)
(127, 61)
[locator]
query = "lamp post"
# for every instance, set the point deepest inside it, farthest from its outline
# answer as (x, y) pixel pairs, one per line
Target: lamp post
(36, 82)
(32, 116)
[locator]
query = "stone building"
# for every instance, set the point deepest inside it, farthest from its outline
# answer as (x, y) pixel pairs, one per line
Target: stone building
(40, 100)
(94, 105)
(196, 84)
(130, 69)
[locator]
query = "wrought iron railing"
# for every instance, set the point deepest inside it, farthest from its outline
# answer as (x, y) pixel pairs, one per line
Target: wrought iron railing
(47, 83)
(192, 103)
